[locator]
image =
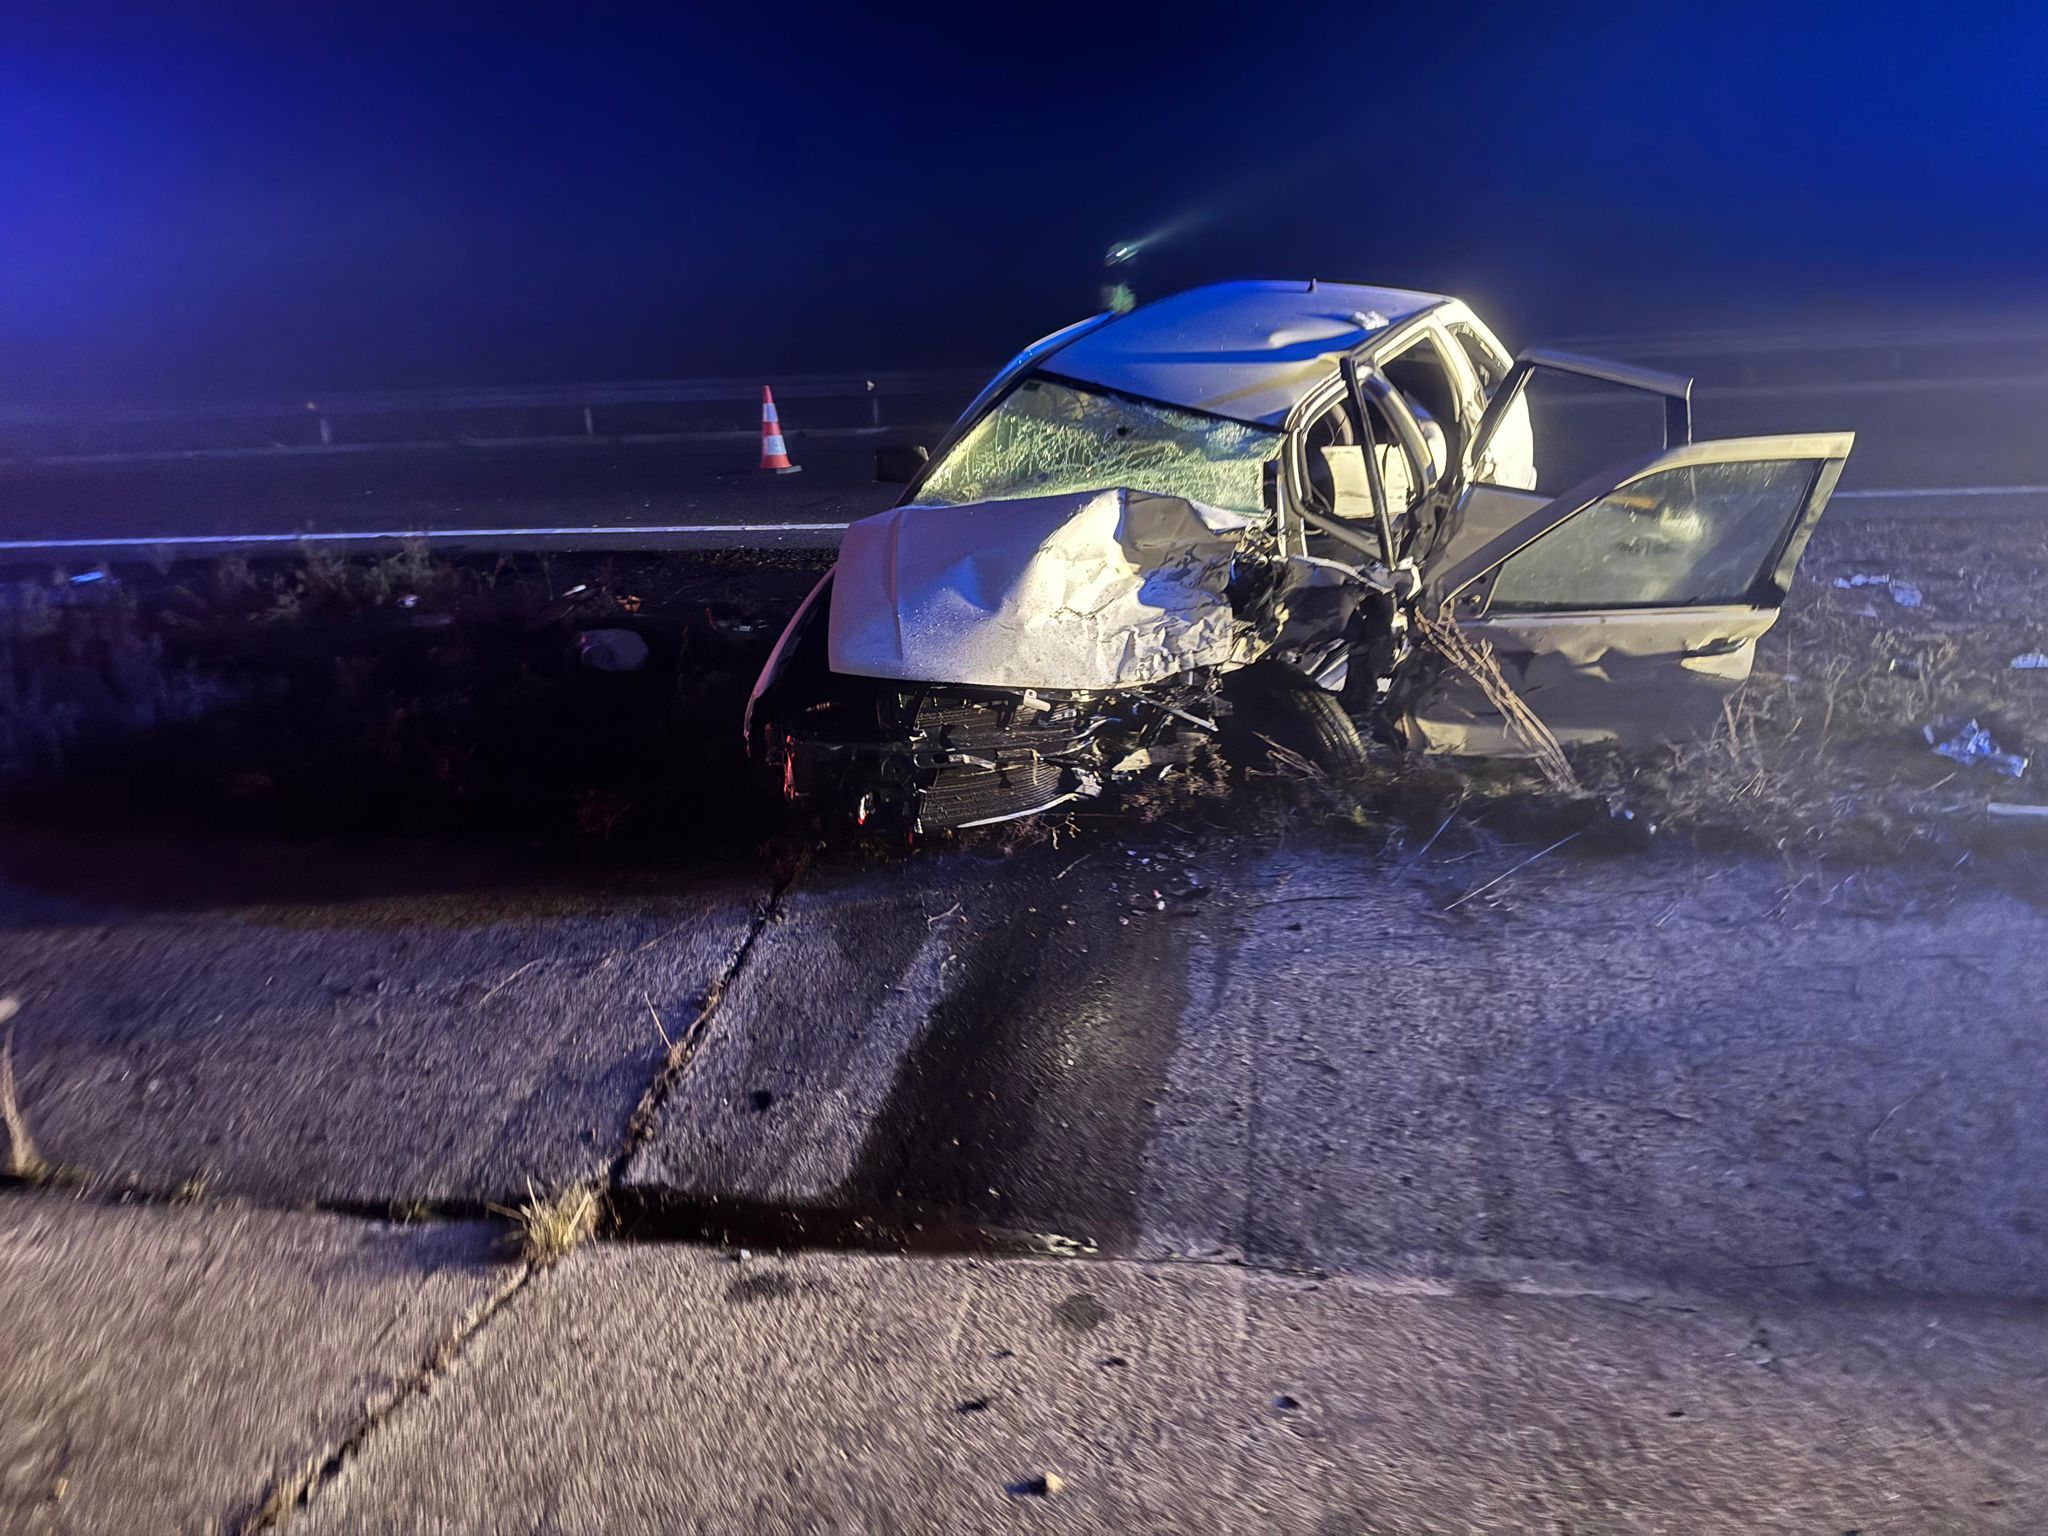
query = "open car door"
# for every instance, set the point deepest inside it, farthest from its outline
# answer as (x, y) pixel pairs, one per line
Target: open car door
(1628, 608)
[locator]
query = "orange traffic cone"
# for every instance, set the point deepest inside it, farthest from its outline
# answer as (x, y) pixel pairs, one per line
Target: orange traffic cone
(773, 454)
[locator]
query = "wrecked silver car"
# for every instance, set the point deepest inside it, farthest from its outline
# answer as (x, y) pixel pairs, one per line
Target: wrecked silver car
(1234, 513)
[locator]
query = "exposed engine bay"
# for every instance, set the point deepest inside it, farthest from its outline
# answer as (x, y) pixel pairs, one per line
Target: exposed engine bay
(1086, 637)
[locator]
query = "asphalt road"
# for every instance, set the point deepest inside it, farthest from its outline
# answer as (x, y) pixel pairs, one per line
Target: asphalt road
(519, 495)
(1962, 435)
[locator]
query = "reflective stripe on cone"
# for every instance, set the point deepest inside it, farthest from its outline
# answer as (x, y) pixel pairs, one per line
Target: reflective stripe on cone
(774, 452)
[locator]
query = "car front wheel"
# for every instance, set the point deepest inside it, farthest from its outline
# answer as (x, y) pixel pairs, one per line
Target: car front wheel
(1272, 705)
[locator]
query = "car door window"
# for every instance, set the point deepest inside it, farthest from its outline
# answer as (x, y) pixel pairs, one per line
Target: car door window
(1692, 535)
(1489, 363)
(1562, 428)
(1424, 376)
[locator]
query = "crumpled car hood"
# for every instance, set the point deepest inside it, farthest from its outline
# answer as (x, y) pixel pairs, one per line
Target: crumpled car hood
(1094, 589)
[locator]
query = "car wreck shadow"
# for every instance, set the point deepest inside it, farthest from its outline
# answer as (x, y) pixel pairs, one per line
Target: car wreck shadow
(1024, 1105)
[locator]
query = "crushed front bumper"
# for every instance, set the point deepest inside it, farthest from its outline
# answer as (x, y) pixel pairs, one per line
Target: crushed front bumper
(938, 758)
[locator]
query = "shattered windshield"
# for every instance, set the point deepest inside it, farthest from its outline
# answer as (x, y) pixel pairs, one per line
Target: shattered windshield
(1047, 437)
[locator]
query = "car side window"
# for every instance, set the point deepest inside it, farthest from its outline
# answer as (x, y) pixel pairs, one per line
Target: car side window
(1699, 534)
(1487, 362)
(1430, 384)
(1561, 429)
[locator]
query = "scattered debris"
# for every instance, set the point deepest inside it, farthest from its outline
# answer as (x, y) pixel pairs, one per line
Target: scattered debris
(1038, 1487)
(1904, 593)
(2030, 661)
(86, 578)
(612, 650)
(972, 1405)
(2007, 808)
(1516, 869)
(1965, 741)
(1285, 1403)
(507, 980)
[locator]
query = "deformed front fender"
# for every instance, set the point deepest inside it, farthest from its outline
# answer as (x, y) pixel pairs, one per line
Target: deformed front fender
(786, 645)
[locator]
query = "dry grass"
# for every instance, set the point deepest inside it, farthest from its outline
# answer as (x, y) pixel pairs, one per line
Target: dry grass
(552, 1226)
(1333, 799)
(1822, 749)
(1477, 661)
(23, 1160)
(196, 1189)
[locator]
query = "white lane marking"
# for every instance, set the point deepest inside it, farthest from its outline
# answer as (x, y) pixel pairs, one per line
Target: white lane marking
(424, 534)
(1944, 490)
(204, 540)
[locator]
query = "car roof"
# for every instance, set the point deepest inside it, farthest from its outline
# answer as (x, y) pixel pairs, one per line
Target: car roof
(1251, 351)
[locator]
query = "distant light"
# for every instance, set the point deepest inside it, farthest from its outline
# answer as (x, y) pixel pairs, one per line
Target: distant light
(1122, 251)
(311, 406)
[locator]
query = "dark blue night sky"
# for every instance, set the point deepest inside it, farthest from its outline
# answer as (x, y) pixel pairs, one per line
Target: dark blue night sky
(255, 197)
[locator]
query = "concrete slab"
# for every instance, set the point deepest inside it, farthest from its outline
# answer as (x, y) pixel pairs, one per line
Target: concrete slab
(1677, 1068)
(165, 1366)
(965, 1039)
(664, 1389)
(383, 1048)
(806, 1042)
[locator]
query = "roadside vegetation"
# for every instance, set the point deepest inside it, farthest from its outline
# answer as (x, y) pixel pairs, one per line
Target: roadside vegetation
(1823, 752)
(419, 696)
(404, 695)
(1826, 748)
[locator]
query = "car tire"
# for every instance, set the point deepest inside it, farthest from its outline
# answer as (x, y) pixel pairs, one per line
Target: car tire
(1276, 705)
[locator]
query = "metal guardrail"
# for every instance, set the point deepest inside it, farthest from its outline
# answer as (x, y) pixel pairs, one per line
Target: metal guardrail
(683, 409)
(388, 402)
(644, 409)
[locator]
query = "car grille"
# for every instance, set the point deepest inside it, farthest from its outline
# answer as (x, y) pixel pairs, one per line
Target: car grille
(1016, 741)
(962, 794)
